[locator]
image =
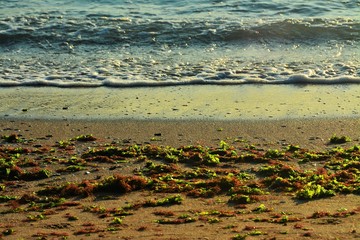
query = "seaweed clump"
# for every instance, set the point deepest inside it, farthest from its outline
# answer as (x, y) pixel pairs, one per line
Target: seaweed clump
(339, 140)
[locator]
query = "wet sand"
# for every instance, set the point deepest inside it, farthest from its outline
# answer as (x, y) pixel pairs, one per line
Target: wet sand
(180, 115)
(243, 102)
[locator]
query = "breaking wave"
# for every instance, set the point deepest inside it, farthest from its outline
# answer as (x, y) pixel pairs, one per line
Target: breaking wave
(110, 43)
(113, 83)
(54, 30)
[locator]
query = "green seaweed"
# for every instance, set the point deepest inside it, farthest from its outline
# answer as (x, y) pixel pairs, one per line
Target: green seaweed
(84, 138)
(12, 138)
(172, 200)
(339, 140)
(311, 191)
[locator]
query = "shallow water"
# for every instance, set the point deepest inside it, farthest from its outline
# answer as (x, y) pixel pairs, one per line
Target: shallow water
(158, 43)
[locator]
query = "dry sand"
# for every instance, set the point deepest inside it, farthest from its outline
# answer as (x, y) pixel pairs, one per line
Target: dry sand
(309, 133)
(72, 220)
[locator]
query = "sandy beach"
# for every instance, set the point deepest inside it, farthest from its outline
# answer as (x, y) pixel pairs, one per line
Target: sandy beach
(55, 182)
(186, 120)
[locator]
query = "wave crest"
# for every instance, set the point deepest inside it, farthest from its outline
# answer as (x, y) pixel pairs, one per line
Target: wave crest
(115, 30)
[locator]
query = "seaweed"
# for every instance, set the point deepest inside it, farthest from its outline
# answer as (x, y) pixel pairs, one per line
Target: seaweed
(228, 175)
(12, 138)
(172, 200)
(339, 140)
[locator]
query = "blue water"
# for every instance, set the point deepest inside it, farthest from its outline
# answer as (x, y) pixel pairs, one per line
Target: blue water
(116, 43)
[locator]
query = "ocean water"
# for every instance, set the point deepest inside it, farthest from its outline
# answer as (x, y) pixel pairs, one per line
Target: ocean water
(127, 43)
